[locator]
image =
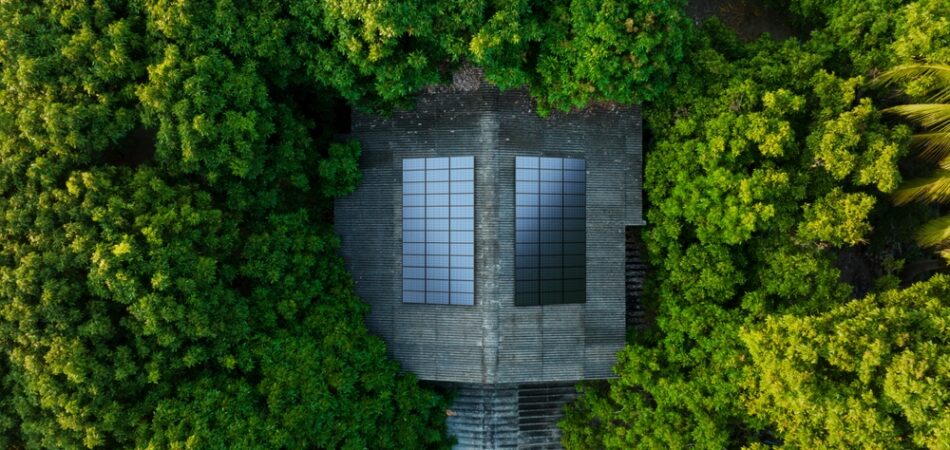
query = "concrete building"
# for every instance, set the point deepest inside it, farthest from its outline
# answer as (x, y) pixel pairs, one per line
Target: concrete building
(490, 244)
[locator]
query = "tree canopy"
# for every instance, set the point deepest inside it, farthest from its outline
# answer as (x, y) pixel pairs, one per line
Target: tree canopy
(169, 275)
(870, 373)
(768, 160)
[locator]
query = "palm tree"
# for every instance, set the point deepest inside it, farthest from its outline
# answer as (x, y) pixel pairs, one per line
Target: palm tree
(933, 116)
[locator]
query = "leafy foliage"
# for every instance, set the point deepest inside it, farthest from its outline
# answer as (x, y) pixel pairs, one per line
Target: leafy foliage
(874, 35)
(934, 117)
(767, 156)
(167, 275)
(731, 181)
(871, 373)
(339, 173)
(573, 53)
(143, 298)
(192, 298)
(567, 52)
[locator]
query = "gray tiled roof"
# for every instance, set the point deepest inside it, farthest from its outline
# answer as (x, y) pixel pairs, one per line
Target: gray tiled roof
(494, 341)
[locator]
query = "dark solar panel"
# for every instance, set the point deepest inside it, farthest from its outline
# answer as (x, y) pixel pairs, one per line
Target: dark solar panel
(549, 230)
(439, 230)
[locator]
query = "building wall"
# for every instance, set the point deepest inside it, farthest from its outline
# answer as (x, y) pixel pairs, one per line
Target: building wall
(494, 341)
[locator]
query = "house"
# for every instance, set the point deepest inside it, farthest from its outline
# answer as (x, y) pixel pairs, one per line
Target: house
(490, 244)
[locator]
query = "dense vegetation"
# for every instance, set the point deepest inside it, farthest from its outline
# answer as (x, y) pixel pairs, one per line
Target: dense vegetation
(769, 161)
(168, 277)
(168, 269)
(933, 116)
(868, 373)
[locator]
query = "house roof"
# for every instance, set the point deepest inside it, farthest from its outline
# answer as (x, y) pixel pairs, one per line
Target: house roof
(495, 341)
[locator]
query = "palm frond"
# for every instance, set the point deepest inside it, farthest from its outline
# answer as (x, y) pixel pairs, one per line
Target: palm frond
(944, 163)
(909, 72)
(933, 116)
(933, 146)
(935, 233)
(934, 189)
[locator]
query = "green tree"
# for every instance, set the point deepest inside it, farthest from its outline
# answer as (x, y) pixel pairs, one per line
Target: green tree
(870, 373)
(767, 157)
(934, 117)
(568, 53)
(572, 53)
(190, 298)
(167, 274)
(147, 316)
(872, 35)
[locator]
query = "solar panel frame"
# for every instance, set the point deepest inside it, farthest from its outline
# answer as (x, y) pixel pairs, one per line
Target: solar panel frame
(550, 239)
(438, 230)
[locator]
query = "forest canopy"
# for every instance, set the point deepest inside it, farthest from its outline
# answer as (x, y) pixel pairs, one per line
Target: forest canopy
(169, 274)
(769, 178)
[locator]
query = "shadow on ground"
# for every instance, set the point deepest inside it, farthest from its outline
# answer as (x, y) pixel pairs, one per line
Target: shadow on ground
(749, 18)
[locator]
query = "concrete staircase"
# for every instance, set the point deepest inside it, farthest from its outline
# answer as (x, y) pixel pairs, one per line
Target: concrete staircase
(509, 416)
(636, 271)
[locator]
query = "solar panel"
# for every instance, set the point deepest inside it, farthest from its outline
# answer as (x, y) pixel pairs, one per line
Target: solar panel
(549, 230)
(438, 222)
